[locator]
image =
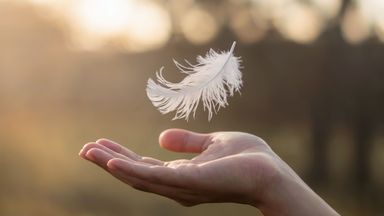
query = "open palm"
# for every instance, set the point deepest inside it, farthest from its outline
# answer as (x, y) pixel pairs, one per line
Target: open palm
(230, 166)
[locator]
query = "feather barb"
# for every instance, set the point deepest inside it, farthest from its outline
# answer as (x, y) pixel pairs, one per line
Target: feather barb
(211, 80)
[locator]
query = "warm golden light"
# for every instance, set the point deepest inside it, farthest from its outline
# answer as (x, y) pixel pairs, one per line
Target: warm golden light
(328, 8)
(199, 26)
(137, 25)
(149, 28)
(102, 17)
(373, 12)
(355, 26)
(300, 23)
(47, 3)
(249, 27)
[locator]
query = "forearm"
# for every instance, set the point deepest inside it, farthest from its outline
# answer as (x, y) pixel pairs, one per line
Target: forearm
(290, 196)
(296, 200)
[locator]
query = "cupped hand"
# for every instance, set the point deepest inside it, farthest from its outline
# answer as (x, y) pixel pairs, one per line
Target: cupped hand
(230, 167)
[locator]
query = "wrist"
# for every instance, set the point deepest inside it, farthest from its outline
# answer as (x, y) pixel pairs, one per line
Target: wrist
(286, 193)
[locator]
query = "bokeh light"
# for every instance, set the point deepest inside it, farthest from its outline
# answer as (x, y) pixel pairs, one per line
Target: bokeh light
(362, 20)
(103, 18)
(299, 22)
(137, 25)
(248, 25)
(373, 11)
(199, 26)
(355, 26)
(150, 27)
(328, 8)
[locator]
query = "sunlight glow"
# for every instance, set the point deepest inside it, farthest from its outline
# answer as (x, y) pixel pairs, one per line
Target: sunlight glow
(103, 17)
(363, 19)
(140, 25)
(329, 8)
(49, 3)
(249, 27)
(300, 23)
(355, 26)
(373, 11)
(149, 28)
(199, 26)
(137, 25)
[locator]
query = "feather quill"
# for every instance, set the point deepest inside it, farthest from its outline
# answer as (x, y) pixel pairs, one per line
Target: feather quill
(211, 80)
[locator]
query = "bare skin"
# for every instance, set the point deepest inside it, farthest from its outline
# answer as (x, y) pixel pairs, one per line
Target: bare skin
(230, 167)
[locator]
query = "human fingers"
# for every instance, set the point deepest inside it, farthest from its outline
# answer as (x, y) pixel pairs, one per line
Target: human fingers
(98, 157)
(148, 160)
(118, 148)
(92, 145)
(176, 177)
(101, 158)
(183, 196)
(179, 140)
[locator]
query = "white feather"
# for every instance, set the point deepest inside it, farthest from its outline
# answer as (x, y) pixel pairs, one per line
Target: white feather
(211, 80)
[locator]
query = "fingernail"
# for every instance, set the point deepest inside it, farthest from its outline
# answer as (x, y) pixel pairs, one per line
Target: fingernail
(94, 154)
(116, 165)
(81, 152)
(112, 165)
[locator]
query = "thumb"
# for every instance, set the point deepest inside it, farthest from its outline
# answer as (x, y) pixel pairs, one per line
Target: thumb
(179, 140)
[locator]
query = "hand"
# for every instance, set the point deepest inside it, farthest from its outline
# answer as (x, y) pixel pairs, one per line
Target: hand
(230, 167)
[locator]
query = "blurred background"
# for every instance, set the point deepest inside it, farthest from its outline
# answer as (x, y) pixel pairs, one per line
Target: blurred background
(72, 71)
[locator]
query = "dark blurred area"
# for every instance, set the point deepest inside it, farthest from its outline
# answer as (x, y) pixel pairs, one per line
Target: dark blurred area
(75, 71)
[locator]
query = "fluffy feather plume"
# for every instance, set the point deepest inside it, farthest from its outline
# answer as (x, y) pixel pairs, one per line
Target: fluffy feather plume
(211, 80)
